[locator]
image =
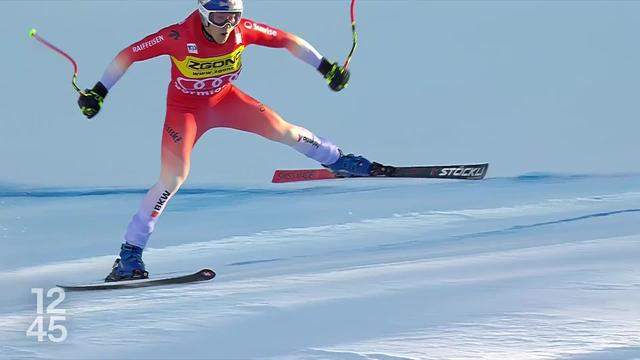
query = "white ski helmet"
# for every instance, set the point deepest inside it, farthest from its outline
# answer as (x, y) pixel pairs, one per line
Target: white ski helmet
(231, 8)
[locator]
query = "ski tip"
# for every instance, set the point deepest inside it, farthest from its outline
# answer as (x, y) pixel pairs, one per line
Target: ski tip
(207, 274)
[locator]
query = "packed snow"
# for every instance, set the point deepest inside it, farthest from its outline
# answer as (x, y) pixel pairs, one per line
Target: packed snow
(540, 266)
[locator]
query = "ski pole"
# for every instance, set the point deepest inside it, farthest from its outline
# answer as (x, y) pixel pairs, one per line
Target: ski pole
(355, 35)
(34, 34)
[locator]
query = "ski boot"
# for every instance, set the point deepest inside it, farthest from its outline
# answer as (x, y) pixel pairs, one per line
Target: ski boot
(129, 266)
(350, 165)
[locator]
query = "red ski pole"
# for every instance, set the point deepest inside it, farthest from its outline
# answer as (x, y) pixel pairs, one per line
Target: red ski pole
(33, 34)
(355, 35)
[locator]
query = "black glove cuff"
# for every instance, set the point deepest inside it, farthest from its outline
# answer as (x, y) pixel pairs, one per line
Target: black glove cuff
(325, 66)
(100, 89)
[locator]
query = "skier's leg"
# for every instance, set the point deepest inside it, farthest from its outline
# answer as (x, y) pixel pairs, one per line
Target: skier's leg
(178, 138)
(180, 133)
(240, 111)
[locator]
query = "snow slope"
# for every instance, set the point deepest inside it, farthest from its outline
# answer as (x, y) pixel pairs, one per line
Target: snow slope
(541, 266)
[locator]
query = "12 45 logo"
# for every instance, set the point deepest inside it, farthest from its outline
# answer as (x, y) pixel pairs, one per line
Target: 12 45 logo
(55, 330)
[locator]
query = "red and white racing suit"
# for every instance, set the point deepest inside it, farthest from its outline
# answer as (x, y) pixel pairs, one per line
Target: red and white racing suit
(201, 96)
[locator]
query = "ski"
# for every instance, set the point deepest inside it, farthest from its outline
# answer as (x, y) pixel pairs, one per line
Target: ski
(202, 275)
(460, 172)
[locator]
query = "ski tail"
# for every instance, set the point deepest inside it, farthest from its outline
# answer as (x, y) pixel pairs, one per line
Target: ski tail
(458, 172)
(286, 176)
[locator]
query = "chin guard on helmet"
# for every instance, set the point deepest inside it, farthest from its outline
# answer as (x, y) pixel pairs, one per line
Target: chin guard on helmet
(220, 13)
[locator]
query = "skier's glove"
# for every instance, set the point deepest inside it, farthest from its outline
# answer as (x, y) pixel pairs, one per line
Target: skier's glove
(336, 75)
(91, 101)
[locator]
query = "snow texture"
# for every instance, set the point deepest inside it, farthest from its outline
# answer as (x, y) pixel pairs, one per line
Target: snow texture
(540, 266)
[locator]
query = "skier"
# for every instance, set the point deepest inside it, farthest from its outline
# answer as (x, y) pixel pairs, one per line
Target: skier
(206, 50)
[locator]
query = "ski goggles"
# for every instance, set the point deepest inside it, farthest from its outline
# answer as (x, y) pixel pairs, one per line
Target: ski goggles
(221, 19)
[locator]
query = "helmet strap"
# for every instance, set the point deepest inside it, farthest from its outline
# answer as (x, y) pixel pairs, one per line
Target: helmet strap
(206, 33)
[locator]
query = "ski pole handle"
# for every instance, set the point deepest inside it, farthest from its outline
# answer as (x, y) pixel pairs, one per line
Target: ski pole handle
(74, 80)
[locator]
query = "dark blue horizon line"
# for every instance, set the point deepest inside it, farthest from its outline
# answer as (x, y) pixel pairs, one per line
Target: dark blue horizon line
(14, 190)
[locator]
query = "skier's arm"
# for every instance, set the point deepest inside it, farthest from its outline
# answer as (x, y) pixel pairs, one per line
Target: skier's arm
(149, 47)
(301, 49)
(261, 34)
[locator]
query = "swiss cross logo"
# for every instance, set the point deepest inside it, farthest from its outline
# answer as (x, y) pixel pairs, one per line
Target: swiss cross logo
(192, 48)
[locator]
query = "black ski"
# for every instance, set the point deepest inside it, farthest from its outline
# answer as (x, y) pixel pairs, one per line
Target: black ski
(460, 172)
(464, 172)
(202, 275)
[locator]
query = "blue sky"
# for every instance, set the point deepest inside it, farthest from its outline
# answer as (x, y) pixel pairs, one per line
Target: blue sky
(525, 85)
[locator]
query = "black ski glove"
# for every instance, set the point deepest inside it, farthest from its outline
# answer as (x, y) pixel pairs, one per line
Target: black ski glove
(336, 75)
(91, 101)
